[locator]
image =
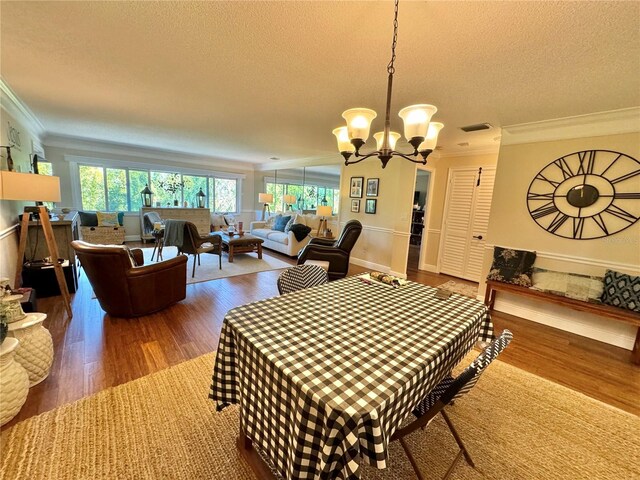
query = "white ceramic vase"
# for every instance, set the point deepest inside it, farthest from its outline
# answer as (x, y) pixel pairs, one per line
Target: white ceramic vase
(35, 352)
(14, 381)
(11, 307)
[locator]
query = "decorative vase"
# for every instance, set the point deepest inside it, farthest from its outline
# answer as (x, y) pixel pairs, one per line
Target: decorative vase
(35, 352)
(14, 382)
(10, 306)
(5, 288)
(3, 327)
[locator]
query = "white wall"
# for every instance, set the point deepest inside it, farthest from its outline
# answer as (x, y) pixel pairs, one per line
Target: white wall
(511, 225)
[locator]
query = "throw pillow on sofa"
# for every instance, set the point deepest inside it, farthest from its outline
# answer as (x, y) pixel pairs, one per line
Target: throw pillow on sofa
(289, 224)
(281, 222)
(621, 290)
(512, 266)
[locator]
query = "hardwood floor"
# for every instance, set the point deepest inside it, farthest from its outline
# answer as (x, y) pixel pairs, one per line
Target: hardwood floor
(94, 351)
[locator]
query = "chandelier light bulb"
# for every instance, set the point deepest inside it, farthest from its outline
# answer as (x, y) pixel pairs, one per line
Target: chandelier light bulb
(344, 145)
(359, 122)
(416, 120)
(432, 137)
(393, 138)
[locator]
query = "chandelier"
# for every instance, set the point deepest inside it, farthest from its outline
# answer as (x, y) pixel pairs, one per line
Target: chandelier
(419, 131)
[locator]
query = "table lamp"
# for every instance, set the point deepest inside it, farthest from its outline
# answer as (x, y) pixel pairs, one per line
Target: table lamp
(265, 199)
(38, 188)
(324, 211)
(289, 200)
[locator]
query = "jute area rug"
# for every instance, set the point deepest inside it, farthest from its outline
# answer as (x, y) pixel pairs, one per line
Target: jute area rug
(243, 263)
(461, 288)
(162, 426)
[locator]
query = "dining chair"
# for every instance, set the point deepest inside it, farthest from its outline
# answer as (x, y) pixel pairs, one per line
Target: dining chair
(300, 277)
(443, 394)
(193, 243)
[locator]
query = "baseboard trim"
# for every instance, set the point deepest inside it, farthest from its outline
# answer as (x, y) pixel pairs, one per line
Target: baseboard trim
(588, 325)
(429, 268)
(373, 266)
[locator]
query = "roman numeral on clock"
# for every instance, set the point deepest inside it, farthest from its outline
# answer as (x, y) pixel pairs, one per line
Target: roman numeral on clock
(578, 227)
(564, 167)
(540, 176)
(544, 210)
(539, 196)
(620, 213)
(588, 157)
(557, 222)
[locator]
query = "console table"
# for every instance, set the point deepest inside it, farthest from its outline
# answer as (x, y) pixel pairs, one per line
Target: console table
(200, 217)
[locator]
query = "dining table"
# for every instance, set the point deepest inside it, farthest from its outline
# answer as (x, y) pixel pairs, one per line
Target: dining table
(324, 376)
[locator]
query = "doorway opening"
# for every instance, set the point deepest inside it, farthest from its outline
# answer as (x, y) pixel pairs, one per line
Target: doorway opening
(419, 214)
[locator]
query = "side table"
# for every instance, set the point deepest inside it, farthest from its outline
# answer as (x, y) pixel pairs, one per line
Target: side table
(14, 381)
(35, 352)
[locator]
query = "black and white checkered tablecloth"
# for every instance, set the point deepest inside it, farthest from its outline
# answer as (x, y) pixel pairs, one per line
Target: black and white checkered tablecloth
(324, 376)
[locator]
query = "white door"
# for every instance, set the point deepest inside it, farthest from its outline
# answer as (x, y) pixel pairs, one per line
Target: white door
(466, 218)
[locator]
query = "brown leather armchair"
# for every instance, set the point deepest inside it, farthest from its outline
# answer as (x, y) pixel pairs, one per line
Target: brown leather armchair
(337, 252)
(125, 290)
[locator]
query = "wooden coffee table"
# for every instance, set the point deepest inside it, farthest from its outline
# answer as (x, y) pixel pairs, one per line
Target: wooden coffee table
(241, 244)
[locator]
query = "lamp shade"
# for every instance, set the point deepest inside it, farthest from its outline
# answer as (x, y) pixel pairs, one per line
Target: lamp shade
(358, 122)
(416, 120)
(432, 137)
(323, 211)
(289, 199)
(29, 187)
(265, 197)
(393, 138)
(342, 135)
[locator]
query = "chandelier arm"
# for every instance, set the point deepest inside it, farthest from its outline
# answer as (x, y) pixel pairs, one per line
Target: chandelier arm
(361, 158)
(414, 160)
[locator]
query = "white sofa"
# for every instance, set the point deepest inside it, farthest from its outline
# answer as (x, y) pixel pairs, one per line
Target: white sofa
(286, 242)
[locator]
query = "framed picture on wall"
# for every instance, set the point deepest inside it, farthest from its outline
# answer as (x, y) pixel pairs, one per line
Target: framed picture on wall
(355, 206)
(356, 187)
(372, 187)
(370, 206)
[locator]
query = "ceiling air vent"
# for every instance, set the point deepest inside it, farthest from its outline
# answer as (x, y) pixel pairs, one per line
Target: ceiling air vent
(477, 127)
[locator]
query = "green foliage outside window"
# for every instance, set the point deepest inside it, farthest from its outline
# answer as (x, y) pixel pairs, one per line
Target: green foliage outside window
(92, 187)
(117, 189)
(225, 195)
(138, 179)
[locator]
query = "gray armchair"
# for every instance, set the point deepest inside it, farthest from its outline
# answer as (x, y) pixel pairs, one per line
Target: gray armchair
(336, 252)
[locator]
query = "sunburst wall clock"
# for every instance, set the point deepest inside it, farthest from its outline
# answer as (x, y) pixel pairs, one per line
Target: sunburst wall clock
(586, 195)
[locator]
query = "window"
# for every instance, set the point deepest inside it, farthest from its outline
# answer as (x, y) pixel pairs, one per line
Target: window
(92, 188)
(138, 179)
(308, 198)
(118, 189)
(225, 195)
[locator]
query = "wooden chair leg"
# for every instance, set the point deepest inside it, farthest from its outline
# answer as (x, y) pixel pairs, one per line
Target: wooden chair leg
(412, 460)
(198, 259)
(454, 432)
(193, 272)
(155, 247)
(220, 260)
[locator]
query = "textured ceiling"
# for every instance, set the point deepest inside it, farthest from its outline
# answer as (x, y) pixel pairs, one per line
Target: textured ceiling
(253, 80)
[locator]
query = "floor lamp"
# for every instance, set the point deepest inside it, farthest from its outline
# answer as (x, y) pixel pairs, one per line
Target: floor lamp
(38, 188)
(324, 212)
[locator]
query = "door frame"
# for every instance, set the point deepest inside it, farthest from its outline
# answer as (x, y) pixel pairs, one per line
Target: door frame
(427, 213)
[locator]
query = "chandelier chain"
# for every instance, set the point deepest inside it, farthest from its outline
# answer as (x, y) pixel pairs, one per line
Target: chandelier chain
(391, 69)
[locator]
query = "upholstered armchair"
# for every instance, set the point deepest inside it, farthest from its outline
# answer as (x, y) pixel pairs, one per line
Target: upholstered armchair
(336, 252)
(194, 244)
(127, 288)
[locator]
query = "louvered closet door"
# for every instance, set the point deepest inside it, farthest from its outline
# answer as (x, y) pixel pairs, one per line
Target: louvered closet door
(466, 219)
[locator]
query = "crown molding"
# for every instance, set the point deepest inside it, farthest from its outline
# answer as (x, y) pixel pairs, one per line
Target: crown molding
(471, 152)
(148, 154)
(318, 161)
(18, 109)
(626, 120)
